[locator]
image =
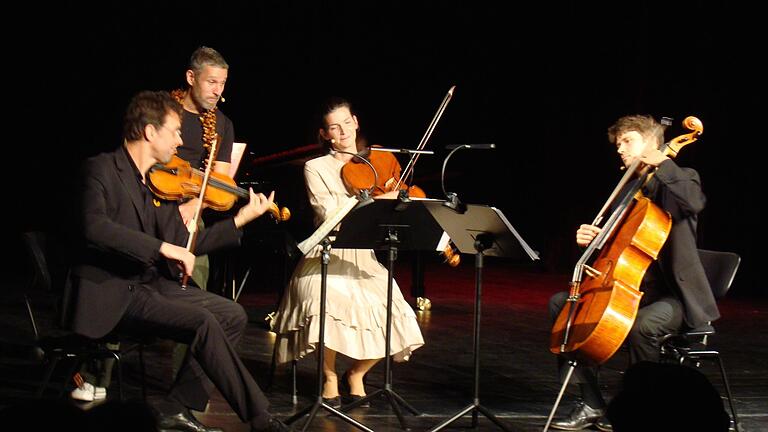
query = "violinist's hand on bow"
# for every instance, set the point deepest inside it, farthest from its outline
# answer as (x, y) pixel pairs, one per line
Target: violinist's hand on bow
(586, 233)
(180, 255)
(257, 206)
(653, 157)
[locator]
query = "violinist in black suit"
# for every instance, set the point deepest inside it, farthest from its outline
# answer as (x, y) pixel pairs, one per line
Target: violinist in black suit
(127, 277)
(675, 289)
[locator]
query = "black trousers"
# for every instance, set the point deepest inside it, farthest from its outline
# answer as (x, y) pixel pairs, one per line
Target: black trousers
(654, 320)
(212, 326)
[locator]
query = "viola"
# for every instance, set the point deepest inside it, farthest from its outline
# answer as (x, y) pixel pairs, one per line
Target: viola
(177, 180)
(357, 176)
(602, 307)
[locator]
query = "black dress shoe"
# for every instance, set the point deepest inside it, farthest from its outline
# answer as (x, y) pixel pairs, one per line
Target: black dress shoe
(604, 424)
(350, 399)
(334, 402)
(184, 422)
(581, 417)
(347, 397)
(274, 425)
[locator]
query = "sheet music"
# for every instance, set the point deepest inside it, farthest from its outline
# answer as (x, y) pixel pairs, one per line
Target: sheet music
(444, 239)
(531, 253)
(327, 226)
(237, 155)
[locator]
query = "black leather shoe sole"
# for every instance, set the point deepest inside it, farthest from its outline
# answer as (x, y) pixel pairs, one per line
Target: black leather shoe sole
(604, 425)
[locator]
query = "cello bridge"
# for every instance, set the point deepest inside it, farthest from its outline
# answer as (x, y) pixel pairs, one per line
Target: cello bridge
(592, 272)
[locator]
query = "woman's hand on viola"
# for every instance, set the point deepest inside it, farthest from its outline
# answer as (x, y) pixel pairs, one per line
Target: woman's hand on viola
(586, 233)
(257, 206)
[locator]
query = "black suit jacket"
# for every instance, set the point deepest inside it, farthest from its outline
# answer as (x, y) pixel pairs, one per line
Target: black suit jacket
(118, 253)
(678, 191)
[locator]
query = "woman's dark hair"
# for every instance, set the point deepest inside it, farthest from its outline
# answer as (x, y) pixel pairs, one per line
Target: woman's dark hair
(330, 105)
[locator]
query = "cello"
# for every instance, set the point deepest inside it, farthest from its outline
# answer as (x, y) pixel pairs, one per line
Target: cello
(601, 307)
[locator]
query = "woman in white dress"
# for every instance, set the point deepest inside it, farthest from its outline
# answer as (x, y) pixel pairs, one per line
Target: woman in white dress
(356, 286)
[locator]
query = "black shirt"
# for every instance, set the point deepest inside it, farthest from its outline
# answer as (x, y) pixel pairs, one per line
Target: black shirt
(192, 150)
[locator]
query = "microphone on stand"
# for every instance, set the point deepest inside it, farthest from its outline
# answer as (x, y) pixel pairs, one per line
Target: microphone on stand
(471, 146)
(452, 199)
(365, 196)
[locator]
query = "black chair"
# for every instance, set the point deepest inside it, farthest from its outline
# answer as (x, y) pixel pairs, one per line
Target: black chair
(58, 344)
(693, 345)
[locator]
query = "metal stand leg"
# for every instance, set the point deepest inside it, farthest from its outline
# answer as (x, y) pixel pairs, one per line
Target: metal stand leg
(572, 366)
(475, 406)
(393, 398)
(728, 392)
(315, 407)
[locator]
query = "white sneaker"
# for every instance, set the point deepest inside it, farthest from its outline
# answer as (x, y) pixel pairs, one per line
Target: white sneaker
(87, 392)
(99, 393)
(84, 392)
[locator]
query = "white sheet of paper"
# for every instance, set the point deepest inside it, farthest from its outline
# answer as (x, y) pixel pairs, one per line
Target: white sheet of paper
(238, 149)
(328, 225)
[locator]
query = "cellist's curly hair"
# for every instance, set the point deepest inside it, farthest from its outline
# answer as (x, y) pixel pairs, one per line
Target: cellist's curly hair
(645, 125)
(148, 107)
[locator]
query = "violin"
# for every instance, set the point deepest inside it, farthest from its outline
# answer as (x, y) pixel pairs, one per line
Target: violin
(177, 180)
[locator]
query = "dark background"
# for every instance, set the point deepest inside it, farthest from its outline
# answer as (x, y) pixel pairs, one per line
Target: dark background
(542, 81)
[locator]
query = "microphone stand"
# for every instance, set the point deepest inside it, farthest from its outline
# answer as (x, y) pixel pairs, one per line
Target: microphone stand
(365, 195)
(453, 201)
(408, 151)
(325, 258)
(392, 241)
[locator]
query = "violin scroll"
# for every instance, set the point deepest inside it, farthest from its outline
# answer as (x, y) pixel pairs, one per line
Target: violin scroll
(279, 214)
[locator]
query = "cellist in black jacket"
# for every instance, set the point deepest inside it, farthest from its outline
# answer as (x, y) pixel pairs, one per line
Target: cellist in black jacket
(675, 289)
(127, 277)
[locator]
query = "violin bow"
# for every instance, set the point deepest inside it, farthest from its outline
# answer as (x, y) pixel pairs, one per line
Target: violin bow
(192, 225)
(425, 138)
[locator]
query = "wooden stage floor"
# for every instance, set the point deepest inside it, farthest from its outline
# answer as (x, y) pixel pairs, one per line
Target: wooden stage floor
(517, 372)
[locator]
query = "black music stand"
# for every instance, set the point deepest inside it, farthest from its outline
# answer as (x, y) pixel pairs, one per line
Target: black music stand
(391, 225)
(325, 258)
(482, 230)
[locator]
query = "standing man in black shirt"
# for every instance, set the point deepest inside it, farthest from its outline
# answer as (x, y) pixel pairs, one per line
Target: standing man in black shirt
(202, 123)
